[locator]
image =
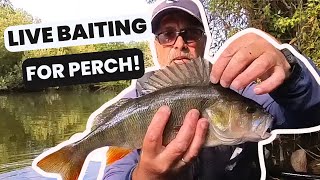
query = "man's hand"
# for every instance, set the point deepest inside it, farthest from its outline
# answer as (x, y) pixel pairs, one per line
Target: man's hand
(247, 58)
(159, 162)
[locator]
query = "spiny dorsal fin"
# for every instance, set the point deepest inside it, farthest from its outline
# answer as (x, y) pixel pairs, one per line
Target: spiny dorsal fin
(194, 73)
(99, 119)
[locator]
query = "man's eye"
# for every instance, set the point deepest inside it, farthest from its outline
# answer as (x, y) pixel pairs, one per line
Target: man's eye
(196, 33)
(169, 34)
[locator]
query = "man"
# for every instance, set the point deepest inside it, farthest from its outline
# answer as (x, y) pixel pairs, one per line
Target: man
(288, 91)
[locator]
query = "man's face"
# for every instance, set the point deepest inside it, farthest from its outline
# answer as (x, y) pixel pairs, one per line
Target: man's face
(179, 51)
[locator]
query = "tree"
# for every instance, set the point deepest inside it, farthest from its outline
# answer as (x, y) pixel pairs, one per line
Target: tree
(9, 17)
(10, 62)
(294, 22)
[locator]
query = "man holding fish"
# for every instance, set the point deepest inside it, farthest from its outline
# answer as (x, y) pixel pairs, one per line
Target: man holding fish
(288, 91)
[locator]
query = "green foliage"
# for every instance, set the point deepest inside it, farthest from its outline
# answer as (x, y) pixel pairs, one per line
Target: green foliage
(10, 62)
(9, 17)
(294, 22)
(298, 24)
(112, 85)
(58, 51)
(12, 80)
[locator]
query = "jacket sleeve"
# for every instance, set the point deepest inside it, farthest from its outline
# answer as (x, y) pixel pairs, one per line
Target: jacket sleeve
(295, 103)
(123, 168)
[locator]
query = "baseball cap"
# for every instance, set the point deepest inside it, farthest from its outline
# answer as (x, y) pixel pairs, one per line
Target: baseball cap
(163, 8)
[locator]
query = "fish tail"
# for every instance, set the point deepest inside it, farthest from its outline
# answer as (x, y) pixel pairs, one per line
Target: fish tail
(67, 162)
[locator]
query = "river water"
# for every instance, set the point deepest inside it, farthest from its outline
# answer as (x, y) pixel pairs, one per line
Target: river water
(33, 122)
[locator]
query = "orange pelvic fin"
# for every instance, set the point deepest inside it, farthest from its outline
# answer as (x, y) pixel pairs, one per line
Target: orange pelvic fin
(116, 153)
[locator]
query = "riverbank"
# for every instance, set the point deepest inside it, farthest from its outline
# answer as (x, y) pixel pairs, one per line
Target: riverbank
(117, 86)
(31, 122)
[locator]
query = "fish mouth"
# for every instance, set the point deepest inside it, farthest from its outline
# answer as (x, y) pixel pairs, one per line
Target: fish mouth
(257, 133)
(261, 126)
(268, 125)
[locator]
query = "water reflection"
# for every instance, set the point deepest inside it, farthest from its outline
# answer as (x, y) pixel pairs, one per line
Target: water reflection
(32, 122)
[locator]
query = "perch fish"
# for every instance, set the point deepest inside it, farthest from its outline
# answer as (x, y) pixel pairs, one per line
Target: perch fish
(233, 119)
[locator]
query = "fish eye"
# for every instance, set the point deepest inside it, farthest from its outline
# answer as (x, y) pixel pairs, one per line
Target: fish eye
(251, 109)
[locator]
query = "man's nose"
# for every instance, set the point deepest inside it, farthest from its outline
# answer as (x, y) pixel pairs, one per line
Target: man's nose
(180, 44)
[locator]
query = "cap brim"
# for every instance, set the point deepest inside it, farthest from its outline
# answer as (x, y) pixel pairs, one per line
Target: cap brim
(155, 22)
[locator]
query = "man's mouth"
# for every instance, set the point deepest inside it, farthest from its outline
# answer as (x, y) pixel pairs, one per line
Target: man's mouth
(180, 60)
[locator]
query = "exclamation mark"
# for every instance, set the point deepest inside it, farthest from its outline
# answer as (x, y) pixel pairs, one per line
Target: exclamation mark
(136, 63)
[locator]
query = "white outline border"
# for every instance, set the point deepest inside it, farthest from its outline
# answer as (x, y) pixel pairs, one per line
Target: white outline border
(211, 59)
